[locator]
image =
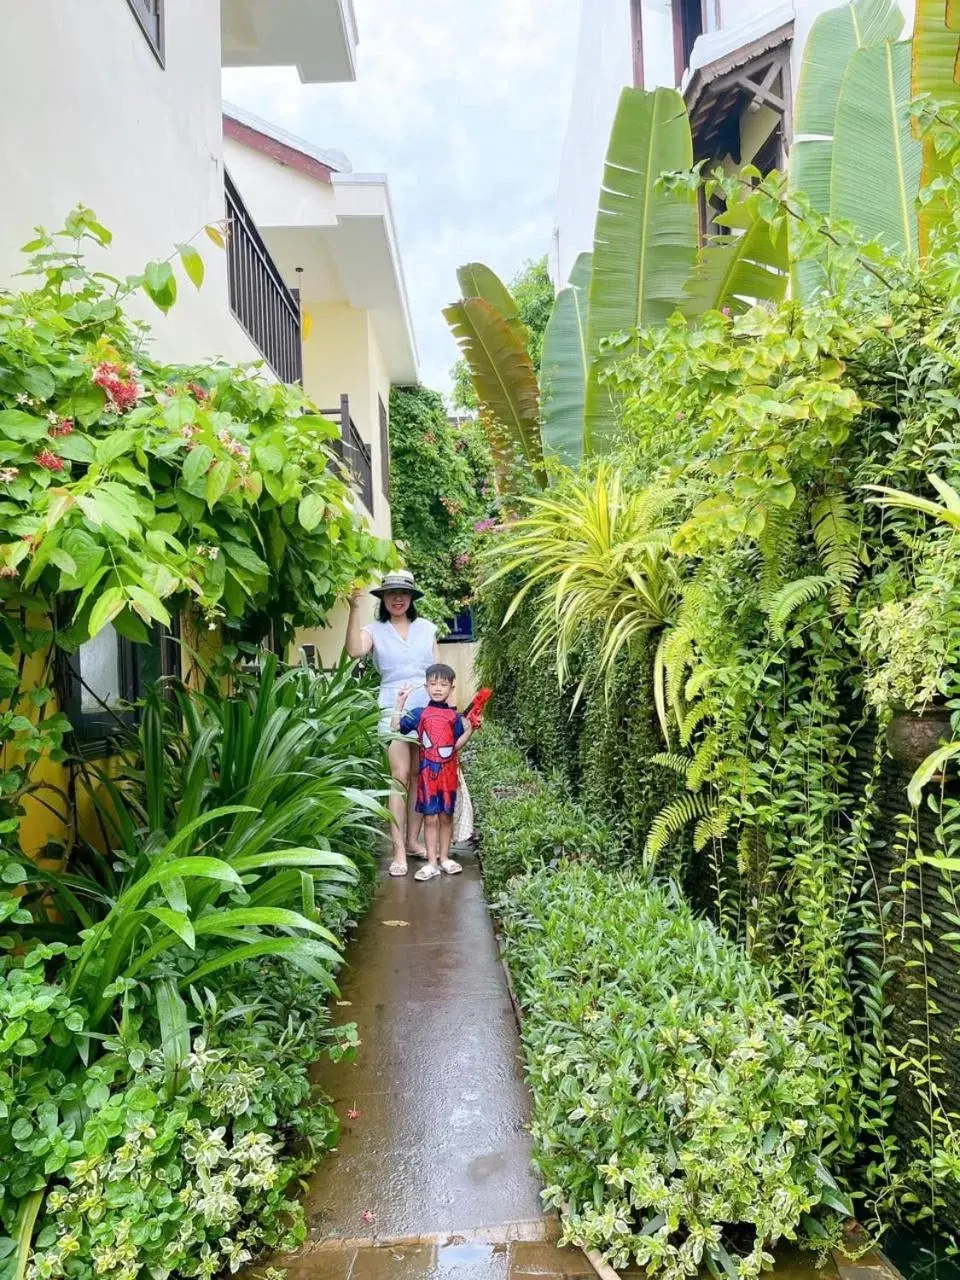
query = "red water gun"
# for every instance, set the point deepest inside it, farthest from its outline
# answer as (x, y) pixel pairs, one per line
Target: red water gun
(474, 712)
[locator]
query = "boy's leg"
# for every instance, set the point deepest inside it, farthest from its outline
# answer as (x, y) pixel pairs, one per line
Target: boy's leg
(446, 835)
(431, 830)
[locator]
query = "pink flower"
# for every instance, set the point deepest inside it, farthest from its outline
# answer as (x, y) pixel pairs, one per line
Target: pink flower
(368, 1216)
(49, 460)
(725, 311)
(189, 431)
(462, 560)
(8, 474)
(62, 427)
(123, 392)
(484, 526)
(8, 571)
(353, 1114)
(198, 392)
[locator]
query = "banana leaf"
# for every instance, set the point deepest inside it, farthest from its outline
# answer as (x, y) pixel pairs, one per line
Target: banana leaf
(502, 374)
(873, 135)
(738, 270)
(479, 281)
(935, 70)
(833, 40)
(563, 368)
(645, 243)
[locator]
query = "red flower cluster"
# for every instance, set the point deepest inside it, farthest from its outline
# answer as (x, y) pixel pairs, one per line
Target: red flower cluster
(198, 392)
(49, 460)
(123, 392)
(62, 427)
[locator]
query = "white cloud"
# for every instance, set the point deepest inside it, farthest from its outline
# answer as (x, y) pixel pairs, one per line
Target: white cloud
(463, 103)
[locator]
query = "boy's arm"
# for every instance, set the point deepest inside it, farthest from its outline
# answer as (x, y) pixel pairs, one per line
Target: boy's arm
(465, 732)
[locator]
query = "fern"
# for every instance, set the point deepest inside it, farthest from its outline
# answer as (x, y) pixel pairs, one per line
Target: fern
(693, 719)
(669, 821)
(671, 760)
(706, 754)
(791, 598)
(836, 533)
(711, 827)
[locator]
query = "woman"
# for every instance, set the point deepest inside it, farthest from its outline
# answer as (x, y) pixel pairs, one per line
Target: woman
(403, 646)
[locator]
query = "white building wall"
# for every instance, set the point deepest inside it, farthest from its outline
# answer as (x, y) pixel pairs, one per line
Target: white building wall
(605, 65)
(88, 115)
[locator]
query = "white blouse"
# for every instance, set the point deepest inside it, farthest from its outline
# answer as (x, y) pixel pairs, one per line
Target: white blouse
(402, 660)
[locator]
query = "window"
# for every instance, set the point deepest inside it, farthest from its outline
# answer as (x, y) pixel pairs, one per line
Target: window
(691, 19)
(384, 449)
(106, 674)
(149, 13)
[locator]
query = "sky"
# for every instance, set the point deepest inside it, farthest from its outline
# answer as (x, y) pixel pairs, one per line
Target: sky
(464, 105)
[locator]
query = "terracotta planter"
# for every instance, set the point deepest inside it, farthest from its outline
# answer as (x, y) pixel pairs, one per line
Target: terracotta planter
(911, 735)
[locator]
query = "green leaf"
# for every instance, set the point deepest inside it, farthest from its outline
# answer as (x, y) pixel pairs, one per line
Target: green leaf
(310, 511)
(563, 367)
(218, 478)
(149, 605)
(737, 271)
(873, 135)
(106, 609)
(833, 40)
(177, 922)
(196, 465)
(174, 1025)
(160, 285)
(645, 243)
(192, 263)
(502, 375)
(17, 425)
(478, 281)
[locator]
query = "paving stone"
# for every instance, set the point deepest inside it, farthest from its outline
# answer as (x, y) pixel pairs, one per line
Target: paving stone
(548, 1260)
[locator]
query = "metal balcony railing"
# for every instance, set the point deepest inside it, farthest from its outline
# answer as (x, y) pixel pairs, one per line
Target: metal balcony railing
(264, 306)
(352, 451)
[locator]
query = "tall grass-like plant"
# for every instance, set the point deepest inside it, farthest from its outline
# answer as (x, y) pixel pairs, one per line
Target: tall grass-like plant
(596, 553)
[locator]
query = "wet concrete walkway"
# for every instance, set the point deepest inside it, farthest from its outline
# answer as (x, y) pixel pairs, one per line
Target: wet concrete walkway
(432, 1173)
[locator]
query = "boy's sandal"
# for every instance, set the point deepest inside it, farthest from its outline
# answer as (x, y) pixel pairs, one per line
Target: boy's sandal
(427, 873)
(450, 867)
(398, 868)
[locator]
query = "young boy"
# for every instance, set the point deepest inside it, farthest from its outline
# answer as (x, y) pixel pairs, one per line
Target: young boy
(441, 732)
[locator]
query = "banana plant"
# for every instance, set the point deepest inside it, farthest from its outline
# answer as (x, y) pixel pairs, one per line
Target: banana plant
(496, 353)
(935, 72)
(563, 370)
(850, 117)
(646, 237)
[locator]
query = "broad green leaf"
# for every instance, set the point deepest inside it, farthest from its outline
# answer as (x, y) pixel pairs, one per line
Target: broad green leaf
(563, 367)
(196, 465)
(218, 478)
(214, 233)
(873, 135)
(738, 270)
(148, 606)
(192, 263)
(106, 609)
(645, 243)
(174, 1025)
(928, 769)
(935, 70)
(310, 511)
(502, 374)
(17, 425)
(478, 281)
(833, 40)
(160, 285)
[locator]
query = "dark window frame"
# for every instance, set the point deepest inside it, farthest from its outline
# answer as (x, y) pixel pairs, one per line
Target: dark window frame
(150, 17)
(691, 20)
(94, 731)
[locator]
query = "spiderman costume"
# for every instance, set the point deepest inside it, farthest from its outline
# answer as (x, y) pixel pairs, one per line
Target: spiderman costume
(438, 728)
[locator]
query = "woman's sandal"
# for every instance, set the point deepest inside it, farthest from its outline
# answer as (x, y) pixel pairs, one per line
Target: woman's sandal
(427, 873)
(398, 868)
(418, 855)
(450, 867)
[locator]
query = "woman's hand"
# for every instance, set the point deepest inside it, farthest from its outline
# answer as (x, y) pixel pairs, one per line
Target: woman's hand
(403, 695)
(356, 598)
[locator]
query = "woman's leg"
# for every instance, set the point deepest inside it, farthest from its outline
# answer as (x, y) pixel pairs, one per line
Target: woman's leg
(414, 844)
(398, 753)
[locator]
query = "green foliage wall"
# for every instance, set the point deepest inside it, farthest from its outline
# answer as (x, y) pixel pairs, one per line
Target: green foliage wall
(441, 487)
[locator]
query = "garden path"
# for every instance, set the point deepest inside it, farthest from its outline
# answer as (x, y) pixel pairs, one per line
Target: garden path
(431, 1179)
(434, 1110)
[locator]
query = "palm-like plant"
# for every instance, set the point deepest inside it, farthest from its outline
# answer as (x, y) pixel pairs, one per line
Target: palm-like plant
(596, 554)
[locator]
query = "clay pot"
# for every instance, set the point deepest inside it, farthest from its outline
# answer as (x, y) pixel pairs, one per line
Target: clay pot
(912, 735)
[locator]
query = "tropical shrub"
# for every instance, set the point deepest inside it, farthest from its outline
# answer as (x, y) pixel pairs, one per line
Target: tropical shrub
(526, 821)
(441, 490)
(680, 1114)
